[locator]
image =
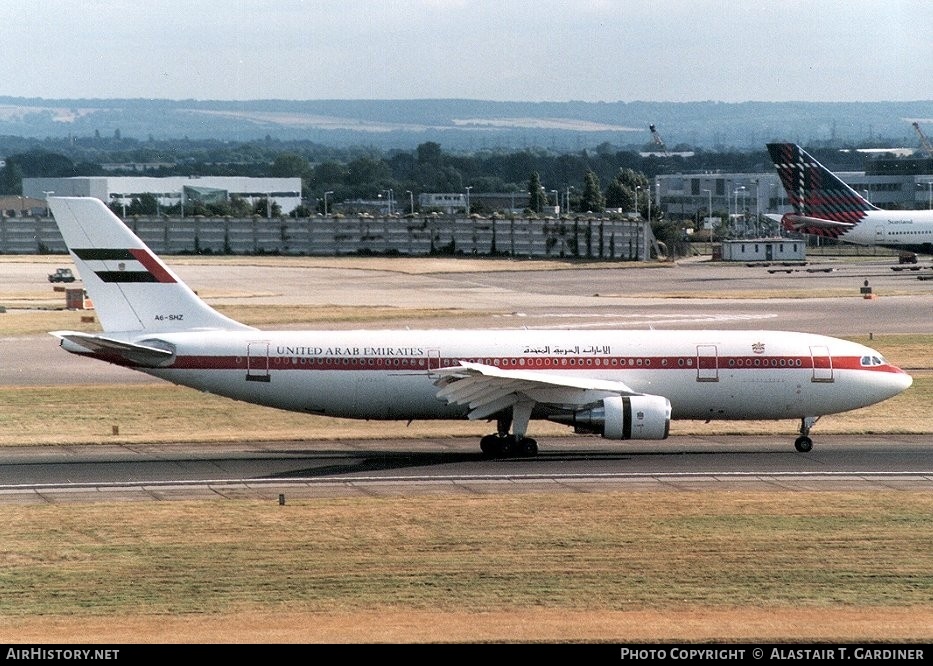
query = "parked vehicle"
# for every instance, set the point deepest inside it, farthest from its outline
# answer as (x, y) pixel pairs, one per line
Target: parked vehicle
(62, 275)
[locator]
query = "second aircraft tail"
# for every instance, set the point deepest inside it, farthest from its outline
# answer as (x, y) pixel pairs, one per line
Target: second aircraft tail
(823, 203)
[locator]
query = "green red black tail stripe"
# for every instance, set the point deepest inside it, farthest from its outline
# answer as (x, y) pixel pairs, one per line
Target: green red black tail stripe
(140, 265)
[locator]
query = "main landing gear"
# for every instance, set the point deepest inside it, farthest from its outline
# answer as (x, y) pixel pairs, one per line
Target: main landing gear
(804, 443)
(504, 445)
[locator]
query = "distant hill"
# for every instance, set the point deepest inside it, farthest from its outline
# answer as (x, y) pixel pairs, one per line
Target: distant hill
(472, 124)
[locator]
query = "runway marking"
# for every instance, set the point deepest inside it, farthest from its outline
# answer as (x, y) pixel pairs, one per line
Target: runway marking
(344, 480)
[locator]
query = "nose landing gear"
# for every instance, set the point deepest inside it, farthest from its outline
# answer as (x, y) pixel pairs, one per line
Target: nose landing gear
(804, 443)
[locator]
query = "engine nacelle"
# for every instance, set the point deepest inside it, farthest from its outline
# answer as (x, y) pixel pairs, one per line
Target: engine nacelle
(623, 417)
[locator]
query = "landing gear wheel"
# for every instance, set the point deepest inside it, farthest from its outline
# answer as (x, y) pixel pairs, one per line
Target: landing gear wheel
(503, 446)
(804, 443)
(489, 445)
(496, 446)
(528, 447)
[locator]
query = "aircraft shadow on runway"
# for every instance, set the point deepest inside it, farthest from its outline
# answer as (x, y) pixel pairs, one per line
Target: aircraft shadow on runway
(380, 461)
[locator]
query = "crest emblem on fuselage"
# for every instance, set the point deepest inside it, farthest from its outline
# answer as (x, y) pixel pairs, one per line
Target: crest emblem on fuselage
(758, 347)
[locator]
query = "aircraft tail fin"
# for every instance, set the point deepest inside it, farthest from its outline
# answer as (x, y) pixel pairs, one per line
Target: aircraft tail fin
(816, 193)
(131, 288)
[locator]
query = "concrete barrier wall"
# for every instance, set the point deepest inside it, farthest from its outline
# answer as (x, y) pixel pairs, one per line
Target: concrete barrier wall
(330, 236)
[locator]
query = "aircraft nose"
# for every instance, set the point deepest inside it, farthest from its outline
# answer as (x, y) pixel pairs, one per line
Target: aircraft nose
(904, 379)
(898, 380)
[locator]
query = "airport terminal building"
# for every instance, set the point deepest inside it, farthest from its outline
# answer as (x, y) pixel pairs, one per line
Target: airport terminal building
(169, 191)
(748, 195)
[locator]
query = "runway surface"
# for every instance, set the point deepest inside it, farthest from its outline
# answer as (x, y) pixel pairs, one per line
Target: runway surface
(268, 470)
(466, 296)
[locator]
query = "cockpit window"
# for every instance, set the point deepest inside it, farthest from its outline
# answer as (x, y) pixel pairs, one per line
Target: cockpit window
(869, 361)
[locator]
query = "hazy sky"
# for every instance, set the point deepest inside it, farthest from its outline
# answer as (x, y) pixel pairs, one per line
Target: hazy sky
(516, 50)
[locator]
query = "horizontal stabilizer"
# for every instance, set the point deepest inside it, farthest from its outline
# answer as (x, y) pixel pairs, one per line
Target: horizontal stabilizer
(804, 221)
(134, 353)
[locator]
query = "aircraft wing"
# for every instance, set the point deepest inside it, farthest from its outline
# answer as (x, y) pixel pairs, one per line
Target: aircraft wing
(489, 389)
(134, 353)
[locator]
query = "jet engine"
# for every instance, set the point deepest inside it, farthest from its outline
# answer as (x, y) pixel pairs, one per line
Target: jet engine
(622, 417)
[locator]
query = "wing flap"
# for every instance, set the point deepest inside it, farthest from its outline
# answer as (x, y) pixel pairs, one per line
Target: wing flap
(488, 389)
(487, 409)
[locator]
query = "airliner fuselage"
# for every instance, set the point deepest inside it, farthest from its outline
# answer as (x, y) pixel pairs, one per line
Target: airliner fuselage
(390, 374)
(907, 230)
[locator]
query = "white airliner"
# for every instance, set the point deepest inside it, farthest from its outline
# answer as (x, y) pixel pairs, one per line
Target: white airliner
(826, 206)
(619, 384)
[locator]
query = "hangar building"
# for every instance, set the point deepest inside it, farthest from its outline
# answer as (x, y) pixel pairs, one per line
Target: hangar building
(168, 191)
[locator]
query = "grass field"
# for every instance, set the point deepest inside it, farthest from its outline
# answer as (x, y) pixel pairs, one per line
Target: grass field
(162, 413)
(638, 566)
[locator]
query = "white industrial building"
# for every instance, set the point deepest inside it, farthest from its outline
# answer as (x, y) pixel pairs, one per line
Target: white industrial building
(764, 249)
(169, 191)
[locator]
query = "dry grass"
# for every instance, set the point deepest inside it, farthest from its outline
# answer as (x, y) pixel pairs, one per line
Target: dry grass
(732, 566)
(163, 413)
(696, 624)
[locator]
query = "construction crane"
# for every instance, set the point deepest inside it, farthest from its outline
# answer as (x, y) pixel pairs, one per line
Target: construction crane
(657, 139)
(924, 141)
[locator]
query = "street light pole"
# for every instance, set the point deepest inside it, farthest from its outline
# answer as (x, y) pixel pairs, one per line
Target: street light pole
(709, 213)
(744, 209)
(744, 221)
(411, 201)
(755, 182)
(649, 203)
(468, 188)
(47, 210)
(637, 187)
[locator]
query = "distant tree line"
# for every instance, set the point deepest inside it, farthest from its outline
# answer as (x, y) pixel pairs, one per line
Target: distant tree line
(589, 180)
